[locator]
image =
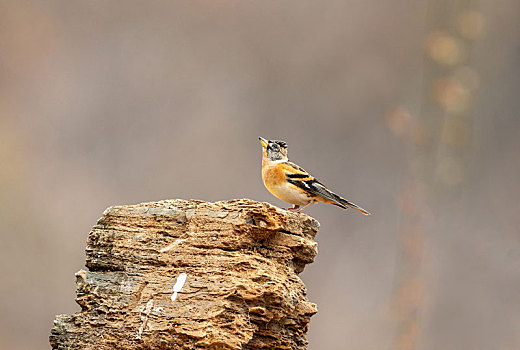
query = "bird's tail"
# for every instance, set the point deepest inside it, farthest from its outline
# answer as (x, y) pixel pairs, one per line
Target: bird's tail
(342, 202)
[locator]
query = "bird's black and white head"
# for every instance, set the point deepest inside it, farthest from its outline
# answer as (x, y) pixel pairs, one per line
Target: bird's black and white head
(274, 149)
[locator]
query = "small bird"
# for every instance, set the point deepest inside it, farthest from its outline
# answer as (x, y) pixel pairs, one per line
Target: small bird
(290, 183)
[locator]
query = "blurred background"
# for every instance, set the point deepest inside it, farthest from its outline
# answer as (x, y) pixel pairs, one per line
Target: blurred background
(407, 108)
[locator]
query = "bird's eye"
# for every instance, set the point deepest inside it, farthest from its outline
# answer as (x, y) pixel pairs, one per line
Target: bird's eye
(275, 147)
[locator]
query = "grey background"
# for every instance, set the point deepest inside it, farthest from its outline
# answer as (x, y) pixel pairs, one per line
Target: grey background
(122, 102)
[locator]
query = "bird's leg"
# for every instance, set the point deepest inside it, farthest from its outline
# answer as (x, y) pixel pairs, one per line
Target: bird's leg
(295, 207)
(305, 206)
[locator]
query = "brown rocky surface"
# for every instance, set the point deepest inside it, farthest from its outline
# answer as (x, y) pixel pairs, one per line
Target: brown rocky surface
(241, 260)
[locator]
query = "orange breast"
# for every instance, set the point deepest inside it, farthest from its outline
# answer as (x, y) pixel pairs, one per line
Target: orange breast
(273, 176)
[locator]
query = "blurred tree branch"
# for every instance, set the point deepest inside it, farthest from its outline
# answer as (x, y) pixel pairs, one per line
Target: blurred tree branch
(439, 142)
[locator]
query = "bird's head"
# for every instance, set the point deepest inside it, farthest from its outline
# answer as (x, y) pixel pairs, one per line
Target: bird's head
(274, 149)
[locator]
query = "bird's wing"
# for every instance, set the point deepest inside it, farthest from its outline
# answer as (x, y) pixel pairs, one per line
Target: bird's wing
(302, 179)
(294, 169)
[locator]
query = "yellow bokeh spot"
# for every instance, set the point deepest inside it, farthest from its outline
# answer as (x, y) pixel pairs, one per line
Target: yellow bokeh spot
(451, 95)
(398, 120)
(444, 48)
(471, 24)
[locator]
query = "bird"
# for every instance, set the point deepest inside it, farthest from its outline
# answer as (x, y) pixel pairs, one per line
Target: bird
(290, 183)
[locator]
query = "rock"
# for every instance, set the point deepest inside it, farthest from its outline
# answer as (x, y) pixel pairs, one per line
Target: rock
(241, 261)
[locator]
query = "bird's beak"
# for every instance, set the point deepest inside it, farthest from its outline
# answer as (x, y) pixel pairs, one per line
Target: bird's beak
(263, 141)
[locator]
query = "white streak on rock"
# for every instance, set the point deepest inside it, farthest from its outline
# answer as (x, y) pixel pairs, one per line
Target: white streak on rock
(169, 247)
(178, 285)
(146, 312)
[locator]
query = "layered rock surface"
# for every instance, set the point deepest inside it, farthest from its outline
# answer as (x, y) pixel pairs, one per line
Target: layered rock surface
(241, 261)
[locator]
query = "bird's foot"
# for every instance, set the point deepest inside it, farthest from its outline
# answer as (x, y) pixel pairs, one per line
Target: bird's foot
(305, 206)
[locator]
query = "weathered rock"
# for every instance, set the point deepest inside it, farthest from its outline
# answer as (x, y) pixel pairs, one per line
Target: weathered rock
(241, 259)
